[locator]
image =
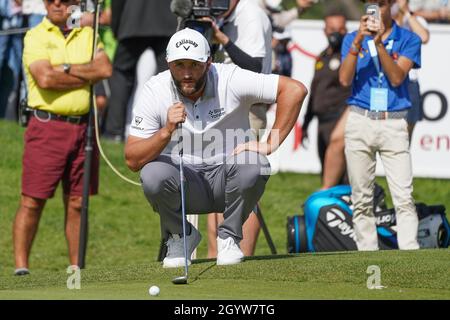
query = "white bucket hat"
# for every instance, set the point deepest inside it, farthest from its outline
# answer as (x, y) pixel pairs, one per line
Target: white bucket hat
(188, 44)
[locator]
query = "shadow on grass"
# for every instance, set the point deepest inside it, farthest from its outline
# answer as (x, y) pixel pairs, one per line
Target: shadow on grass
(204, 271)
(213, 261)
(284, 256)
(298, 255)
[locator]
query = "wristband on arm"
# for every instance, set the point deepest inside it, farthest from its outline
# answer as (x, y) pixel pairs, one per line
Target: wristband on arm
(355, 49)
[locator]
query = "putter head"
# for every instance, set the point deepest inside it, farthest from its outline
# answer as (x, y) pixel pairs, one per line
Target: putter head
(180, 280)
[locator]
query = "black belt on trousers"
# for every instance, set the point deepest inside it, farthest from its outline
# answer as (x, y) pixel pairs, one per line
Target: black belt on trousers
(44, 116)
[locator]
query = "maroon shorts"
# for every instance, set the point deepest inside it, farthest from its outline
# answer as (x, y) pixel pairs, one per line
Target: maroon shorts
(54, 152)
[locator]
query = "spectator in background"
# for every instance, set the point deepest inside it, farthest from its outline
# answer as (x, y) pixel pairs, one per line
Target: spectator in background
(437, 11)
(245, 40)
(34, 10)
(102, 88)
(376, 61)
(59, 70)
(282, 18)
(335, 158)
(281, 56)
(137, 25)
(145, 67)
(10, 56)
(335, 165)
(417, 24)
(105, 31)
(328, 97)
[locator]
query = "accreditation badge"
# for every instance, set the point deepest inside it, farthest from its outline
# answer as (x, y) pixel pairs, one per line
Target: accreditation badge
(378, 99)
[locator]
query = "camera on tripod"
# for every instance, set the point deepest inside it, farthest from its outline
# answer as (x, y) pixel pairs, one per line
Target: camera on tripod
(192, 11)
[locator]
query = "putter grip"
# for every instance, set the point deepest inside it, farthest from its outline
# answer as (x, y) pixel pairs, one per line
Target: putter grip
(180, 138)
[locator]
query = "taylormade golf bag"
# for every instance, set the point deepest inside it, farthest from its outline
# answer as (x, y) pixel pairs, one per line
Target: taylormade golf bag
(327, 223)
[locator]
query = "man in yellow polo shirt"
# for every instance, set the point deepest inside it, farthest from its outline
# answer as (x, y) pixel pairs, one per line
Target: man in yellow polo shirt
(59, 73)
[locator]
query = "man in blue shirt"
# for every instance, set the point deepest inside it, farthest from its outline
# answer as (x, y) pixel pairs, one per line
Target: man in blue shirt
(376, 60)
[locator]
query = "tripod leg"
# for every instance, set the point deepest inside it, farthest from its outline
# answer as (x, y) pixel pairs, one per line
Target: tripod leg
(258, 212)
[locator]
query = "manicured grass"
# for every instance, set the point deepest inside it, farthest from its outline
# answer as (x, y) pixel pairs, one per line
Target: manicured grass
(405, 275)
(124, 240)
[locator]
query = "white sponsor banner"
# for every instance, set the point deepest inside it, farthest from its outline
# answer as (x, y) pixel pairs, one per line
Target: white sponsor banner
(430, 147)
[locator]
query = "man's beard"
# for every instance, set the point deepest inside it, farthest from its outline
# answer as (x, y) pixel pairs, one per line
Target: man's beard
(199, 85)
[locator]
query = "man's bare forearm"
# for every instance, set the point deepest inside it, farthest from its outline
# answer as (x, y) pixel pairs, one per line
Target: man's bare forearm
(348, 68)
(98, 69)
(289, 102)
(394, 73)
(139, 152)
(59, 80)
(347, 71)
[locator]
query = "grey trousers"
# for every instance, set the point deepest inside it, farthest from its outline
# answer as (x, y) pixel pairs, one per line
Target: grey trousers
(232, 188)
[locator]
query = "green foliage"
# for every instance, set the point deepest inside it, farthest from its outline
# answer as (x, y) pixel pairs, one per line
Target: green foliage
(315, 12)
(404, 275)
(319, 10)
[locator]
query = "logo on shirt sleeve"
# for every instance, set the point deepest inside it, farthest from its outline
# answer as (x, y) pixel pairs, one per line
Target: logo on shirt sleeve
(138, 120)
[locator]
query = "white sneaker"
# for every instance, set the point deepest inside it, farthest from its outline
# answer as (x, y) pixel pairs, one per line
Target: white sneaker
(175, 248)
(228, 252)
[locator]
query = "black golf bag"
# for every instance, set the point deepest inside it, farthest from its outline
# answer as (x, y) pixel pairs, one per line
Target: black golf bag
(327, 223)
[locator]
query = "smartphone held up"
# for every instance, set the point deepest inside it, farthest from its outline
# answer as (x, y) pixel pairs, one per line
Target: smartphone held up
(374, 20)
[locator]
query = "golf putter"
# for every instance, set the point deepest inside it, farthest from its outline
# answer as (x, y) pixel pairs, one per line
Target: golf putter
(182, 279)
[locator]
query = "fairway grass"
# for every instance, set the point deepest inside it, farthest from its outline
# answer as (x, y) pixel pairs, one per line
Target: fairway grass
(124, 240)
(420, 274)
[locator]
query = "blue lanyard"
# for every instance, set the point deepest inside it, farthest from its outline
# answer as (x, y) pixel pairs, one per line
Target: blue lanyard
(374, 55)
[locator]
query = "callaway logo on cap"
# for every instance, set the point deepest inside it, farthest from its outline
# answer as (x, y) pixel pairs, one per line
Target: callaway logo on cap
(188, 44)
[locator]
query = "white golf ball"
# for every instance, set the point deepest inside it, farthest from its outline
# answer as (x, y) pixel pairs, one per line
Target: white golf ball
(154, 290)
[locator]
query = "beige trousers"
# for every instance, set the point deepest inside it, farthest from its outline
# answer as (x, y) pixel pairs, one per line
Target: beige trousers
(389, 138)
(258, 119)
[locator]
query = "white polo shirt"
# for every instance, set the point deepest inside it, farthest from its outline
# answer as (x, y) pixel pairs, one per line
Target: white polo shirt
(249, 28)
(217, 122)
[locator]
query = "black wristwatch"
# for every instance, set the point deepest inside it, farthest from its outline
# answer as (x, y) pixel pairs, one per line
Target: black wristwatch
(66, 67)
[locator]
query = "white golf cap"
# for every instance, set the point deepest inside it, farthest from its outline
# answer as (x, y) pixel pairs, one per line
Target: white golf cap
(188, 44)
